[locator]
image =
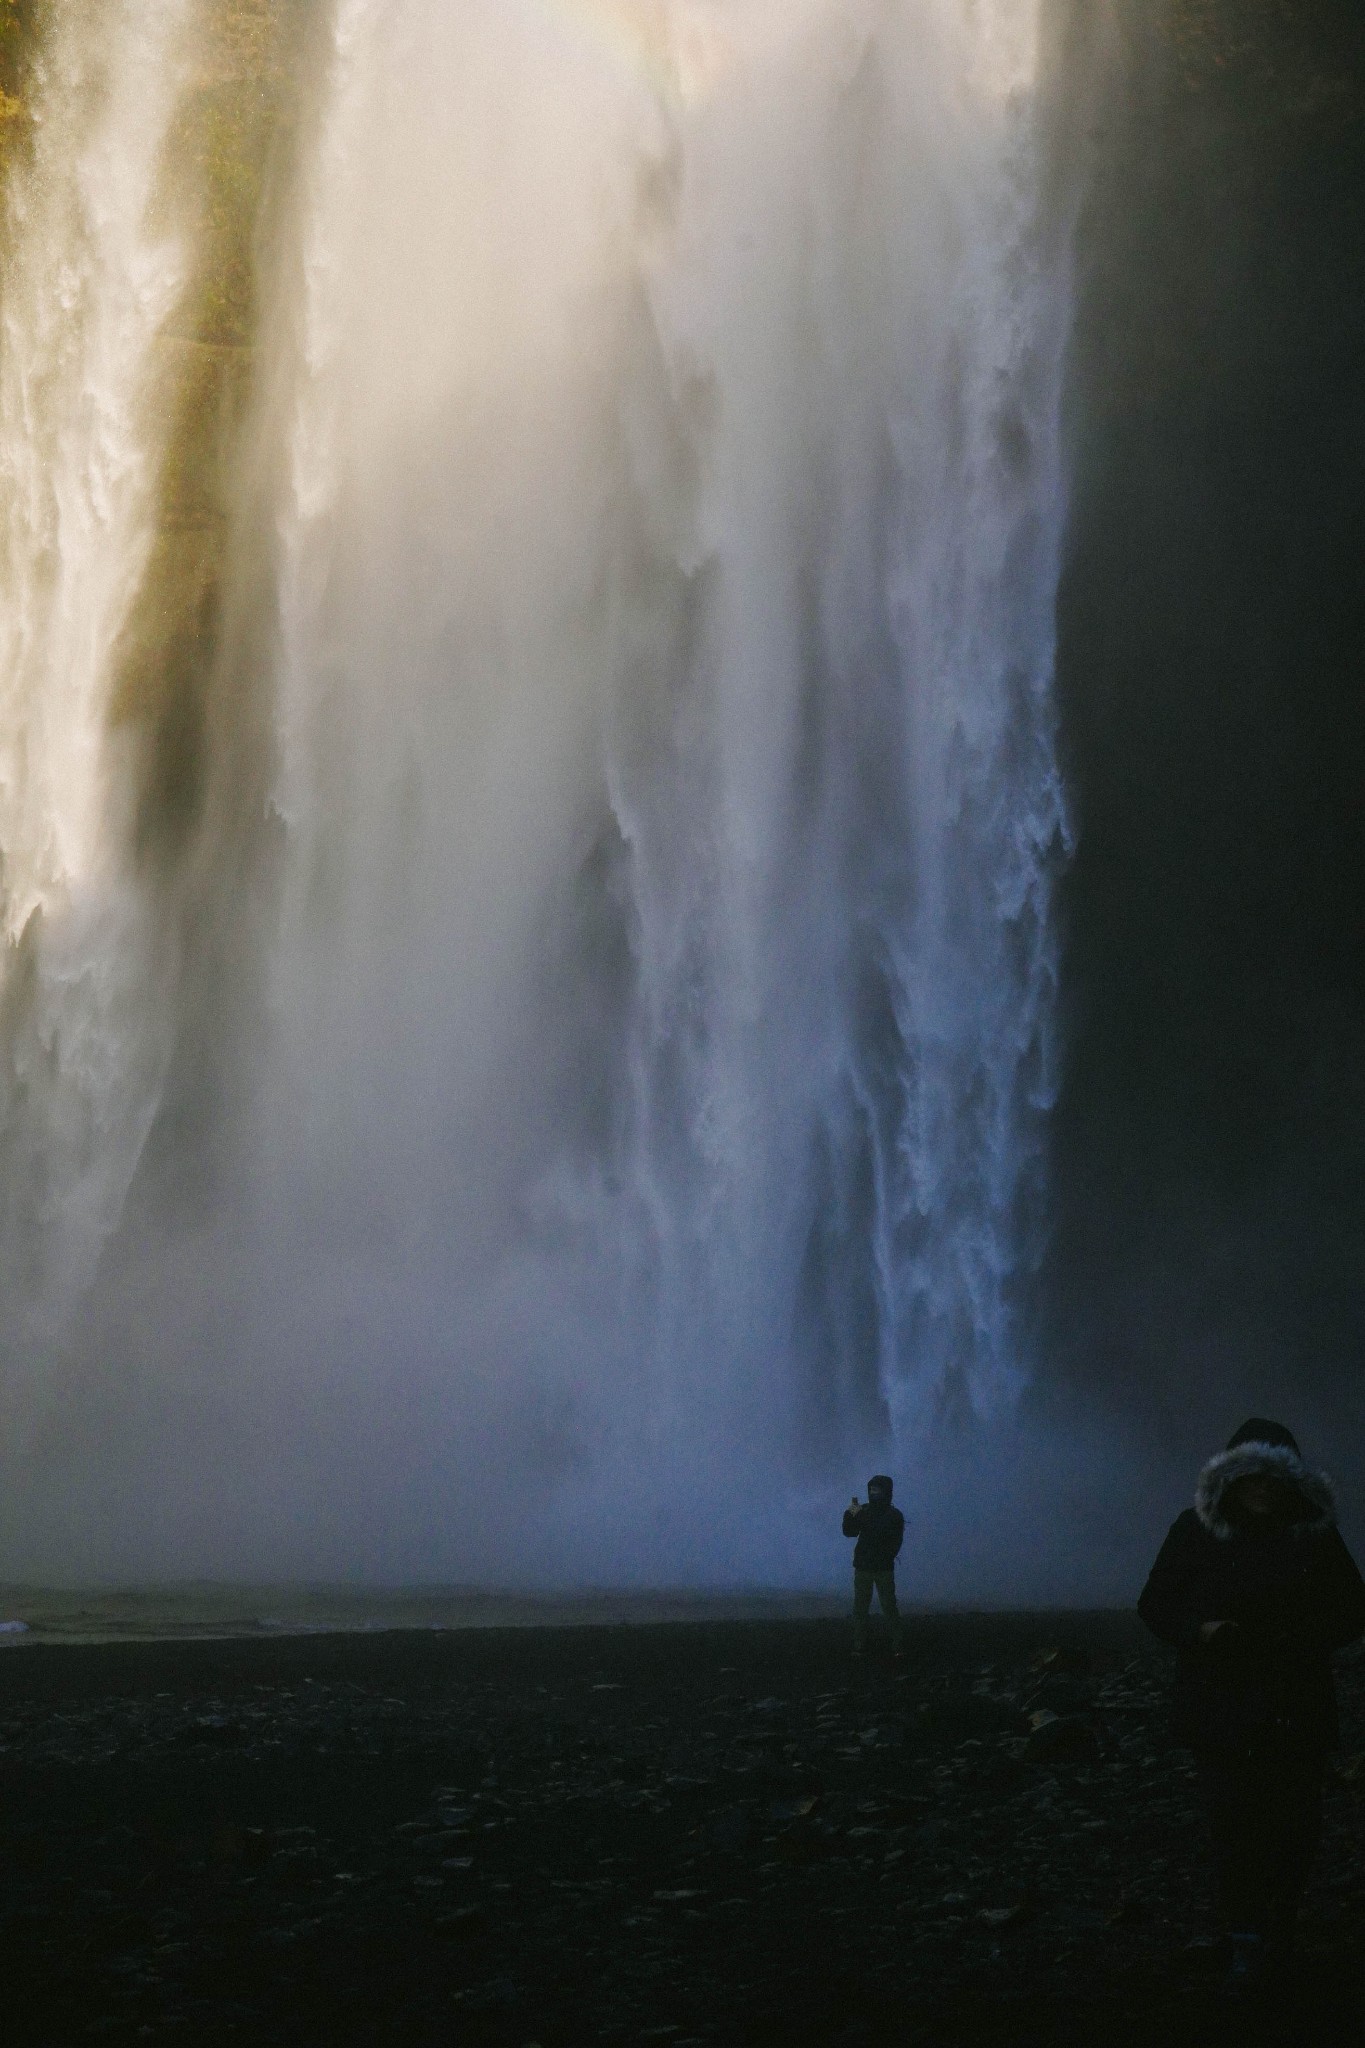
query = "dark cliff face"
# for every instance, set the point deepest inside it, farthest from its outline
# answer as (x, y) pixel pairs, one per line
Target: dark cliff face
(1209, 1151)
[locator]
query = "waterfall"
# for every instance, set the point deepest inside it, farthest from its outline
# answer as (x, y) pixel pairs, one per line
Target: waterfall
(668, 560)
(655, 499)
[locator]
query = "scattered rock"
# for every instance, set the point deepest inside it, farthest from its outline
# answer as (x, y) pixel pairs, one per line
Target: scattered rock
(998, 1917)
(1060, 1739)
(793, 1809)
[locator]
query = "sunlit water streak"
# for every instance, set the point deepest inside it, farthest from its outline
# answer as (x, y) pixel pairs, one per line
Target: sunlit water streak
(91, 274)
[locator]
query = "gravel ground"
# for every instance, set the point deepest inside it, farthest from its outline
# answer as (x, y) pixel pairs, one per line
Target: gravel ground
(712, 1833)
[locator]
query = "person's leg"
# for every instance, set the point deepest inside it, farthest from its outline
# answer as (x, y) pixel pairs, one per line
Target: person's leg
(1235, 1819)
(886, 1597)
(862, 1602)
(1294, 1829)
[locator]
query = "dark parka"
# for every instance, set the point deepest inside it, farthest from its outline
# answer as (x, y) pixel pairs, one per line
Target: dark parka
(1292, 1587)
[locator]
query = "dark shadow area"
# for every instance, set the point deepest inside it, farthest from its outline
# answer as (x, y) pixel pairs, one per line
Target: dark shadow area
(1210, 1144)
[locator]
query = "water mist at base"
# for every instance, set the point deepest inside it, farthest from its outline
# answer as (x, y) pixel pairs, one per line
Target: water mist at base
(638, 1114)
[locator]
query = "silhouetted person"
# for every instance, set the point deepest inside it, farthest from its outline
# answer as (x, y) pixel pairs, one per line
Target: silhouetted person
(1255, 1589)
(880, 1530)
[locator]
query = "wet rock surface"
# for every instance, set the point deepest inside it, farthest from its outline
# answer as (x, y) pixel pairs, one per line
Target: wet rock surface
(727, 1833)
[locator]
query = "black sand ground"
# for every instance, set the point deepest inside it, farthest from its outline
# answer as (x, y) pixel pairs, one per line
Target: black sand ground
(713, 1833)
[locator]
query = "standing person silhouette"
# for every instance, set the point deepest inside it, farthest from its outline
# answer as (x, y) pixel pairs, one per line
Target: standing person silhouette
(1255, 1589)
(880, 1530)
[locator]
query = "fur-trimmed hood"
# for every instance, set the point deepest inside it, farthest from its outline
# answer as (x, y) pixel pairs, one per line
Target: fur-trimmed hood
(1276, 1461)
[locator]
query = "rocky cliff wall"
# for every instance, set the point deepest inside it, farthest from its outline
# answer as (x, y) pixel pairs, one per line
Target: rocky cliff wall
(1209, 1148)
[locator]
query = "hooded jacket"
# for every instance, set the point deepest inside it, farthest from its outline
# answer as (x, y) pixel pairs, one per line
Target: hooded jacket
(1289, 1583)
(880, 1530)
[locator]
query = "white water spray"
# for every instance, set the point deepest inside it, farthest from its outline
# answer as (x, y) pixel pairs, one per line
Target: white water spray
(669, 566)
(663, 397)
